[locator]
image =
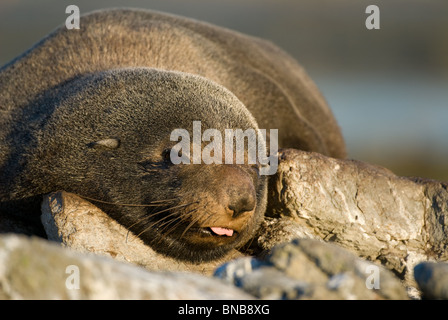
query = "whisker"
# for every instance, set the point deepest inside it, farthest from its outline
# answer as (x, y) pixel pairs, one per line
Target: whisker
(152, 204)
(161, 219)
(183, 217)
(158, 212)
(246, 245)
(155, 223)
(164, 200)
(152, 215)
(210, 216)
(188, 227)
(194, 221)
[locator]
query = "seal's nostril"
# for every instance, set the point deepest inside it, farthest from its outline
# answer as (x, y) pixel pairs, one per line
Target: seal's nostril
(241, 204)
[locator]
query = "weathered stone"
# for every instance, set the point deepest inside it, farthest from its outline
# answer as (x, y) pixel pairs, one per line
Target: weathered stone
(364, 208)
(312, 269)
(279, 230)
(432, 278)
(32, 268)
(79, 225)
(261, 280)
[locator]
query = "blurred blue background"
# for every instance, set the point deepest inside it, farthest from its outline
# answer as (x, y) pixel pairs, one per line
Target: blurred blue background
(388, 88)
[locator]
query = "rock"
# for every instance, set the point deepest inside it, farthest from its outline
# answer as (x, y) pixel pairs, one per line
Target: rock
(79, 225)
(394, 221)
(33, 268)
(432, 278)
(311, 269)
(366, 209)
(279, 230)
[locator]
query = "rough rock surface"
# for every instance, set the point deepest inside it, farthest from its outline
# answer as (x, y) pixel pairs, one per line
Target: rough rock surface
(312, 269)
(366, 209)
(33, 268)
(363, 209)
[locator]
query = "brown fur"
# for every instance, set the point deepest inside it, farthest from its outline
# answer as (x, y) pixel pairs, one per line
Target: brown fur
(129, 77)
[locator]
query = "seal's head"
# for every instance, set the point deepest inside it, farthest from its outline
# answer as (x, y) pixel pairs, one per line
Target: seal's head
(107, 136)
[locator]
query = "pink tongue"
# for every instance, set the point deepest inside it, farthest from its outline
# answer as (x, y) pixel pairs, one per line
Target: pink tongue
(222, 231)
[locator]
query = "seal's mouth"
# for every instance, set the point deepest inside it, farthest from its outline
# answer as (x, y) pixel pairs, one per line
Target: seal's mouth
(220, 232)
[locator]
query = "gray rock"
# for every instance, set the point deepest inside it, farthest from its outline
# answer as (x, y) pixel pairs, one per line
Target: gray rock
(394, 221)
(32, 268)
(312, 269)
(366, 209)
(432, 278)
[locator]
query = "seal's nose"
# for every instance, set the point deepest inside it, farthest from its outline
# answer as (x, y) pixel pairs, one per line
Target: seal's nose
(242, 201)
(231, 192)
(241, 195)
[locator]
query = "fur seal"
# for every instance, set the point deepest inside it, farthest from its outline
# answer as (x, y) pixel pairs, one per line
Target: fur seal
(90, 111)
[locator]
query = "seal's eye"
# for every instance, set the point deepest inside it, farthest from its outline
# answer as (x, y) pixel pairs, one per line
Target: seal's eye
(166, 156)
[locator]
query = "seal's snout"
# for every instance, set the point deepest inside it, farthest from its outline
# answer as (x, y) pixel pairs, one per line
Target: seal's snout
(241, 198)
(225, 212)
(241, 204)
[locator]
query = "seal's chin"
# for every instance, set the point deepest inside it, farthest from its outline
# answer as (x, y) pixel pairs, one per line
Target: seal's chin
(200, 243)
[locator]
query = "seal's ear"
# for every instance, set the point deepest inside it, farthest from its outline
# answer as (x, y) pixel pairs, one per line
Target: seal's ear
(110, 144)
